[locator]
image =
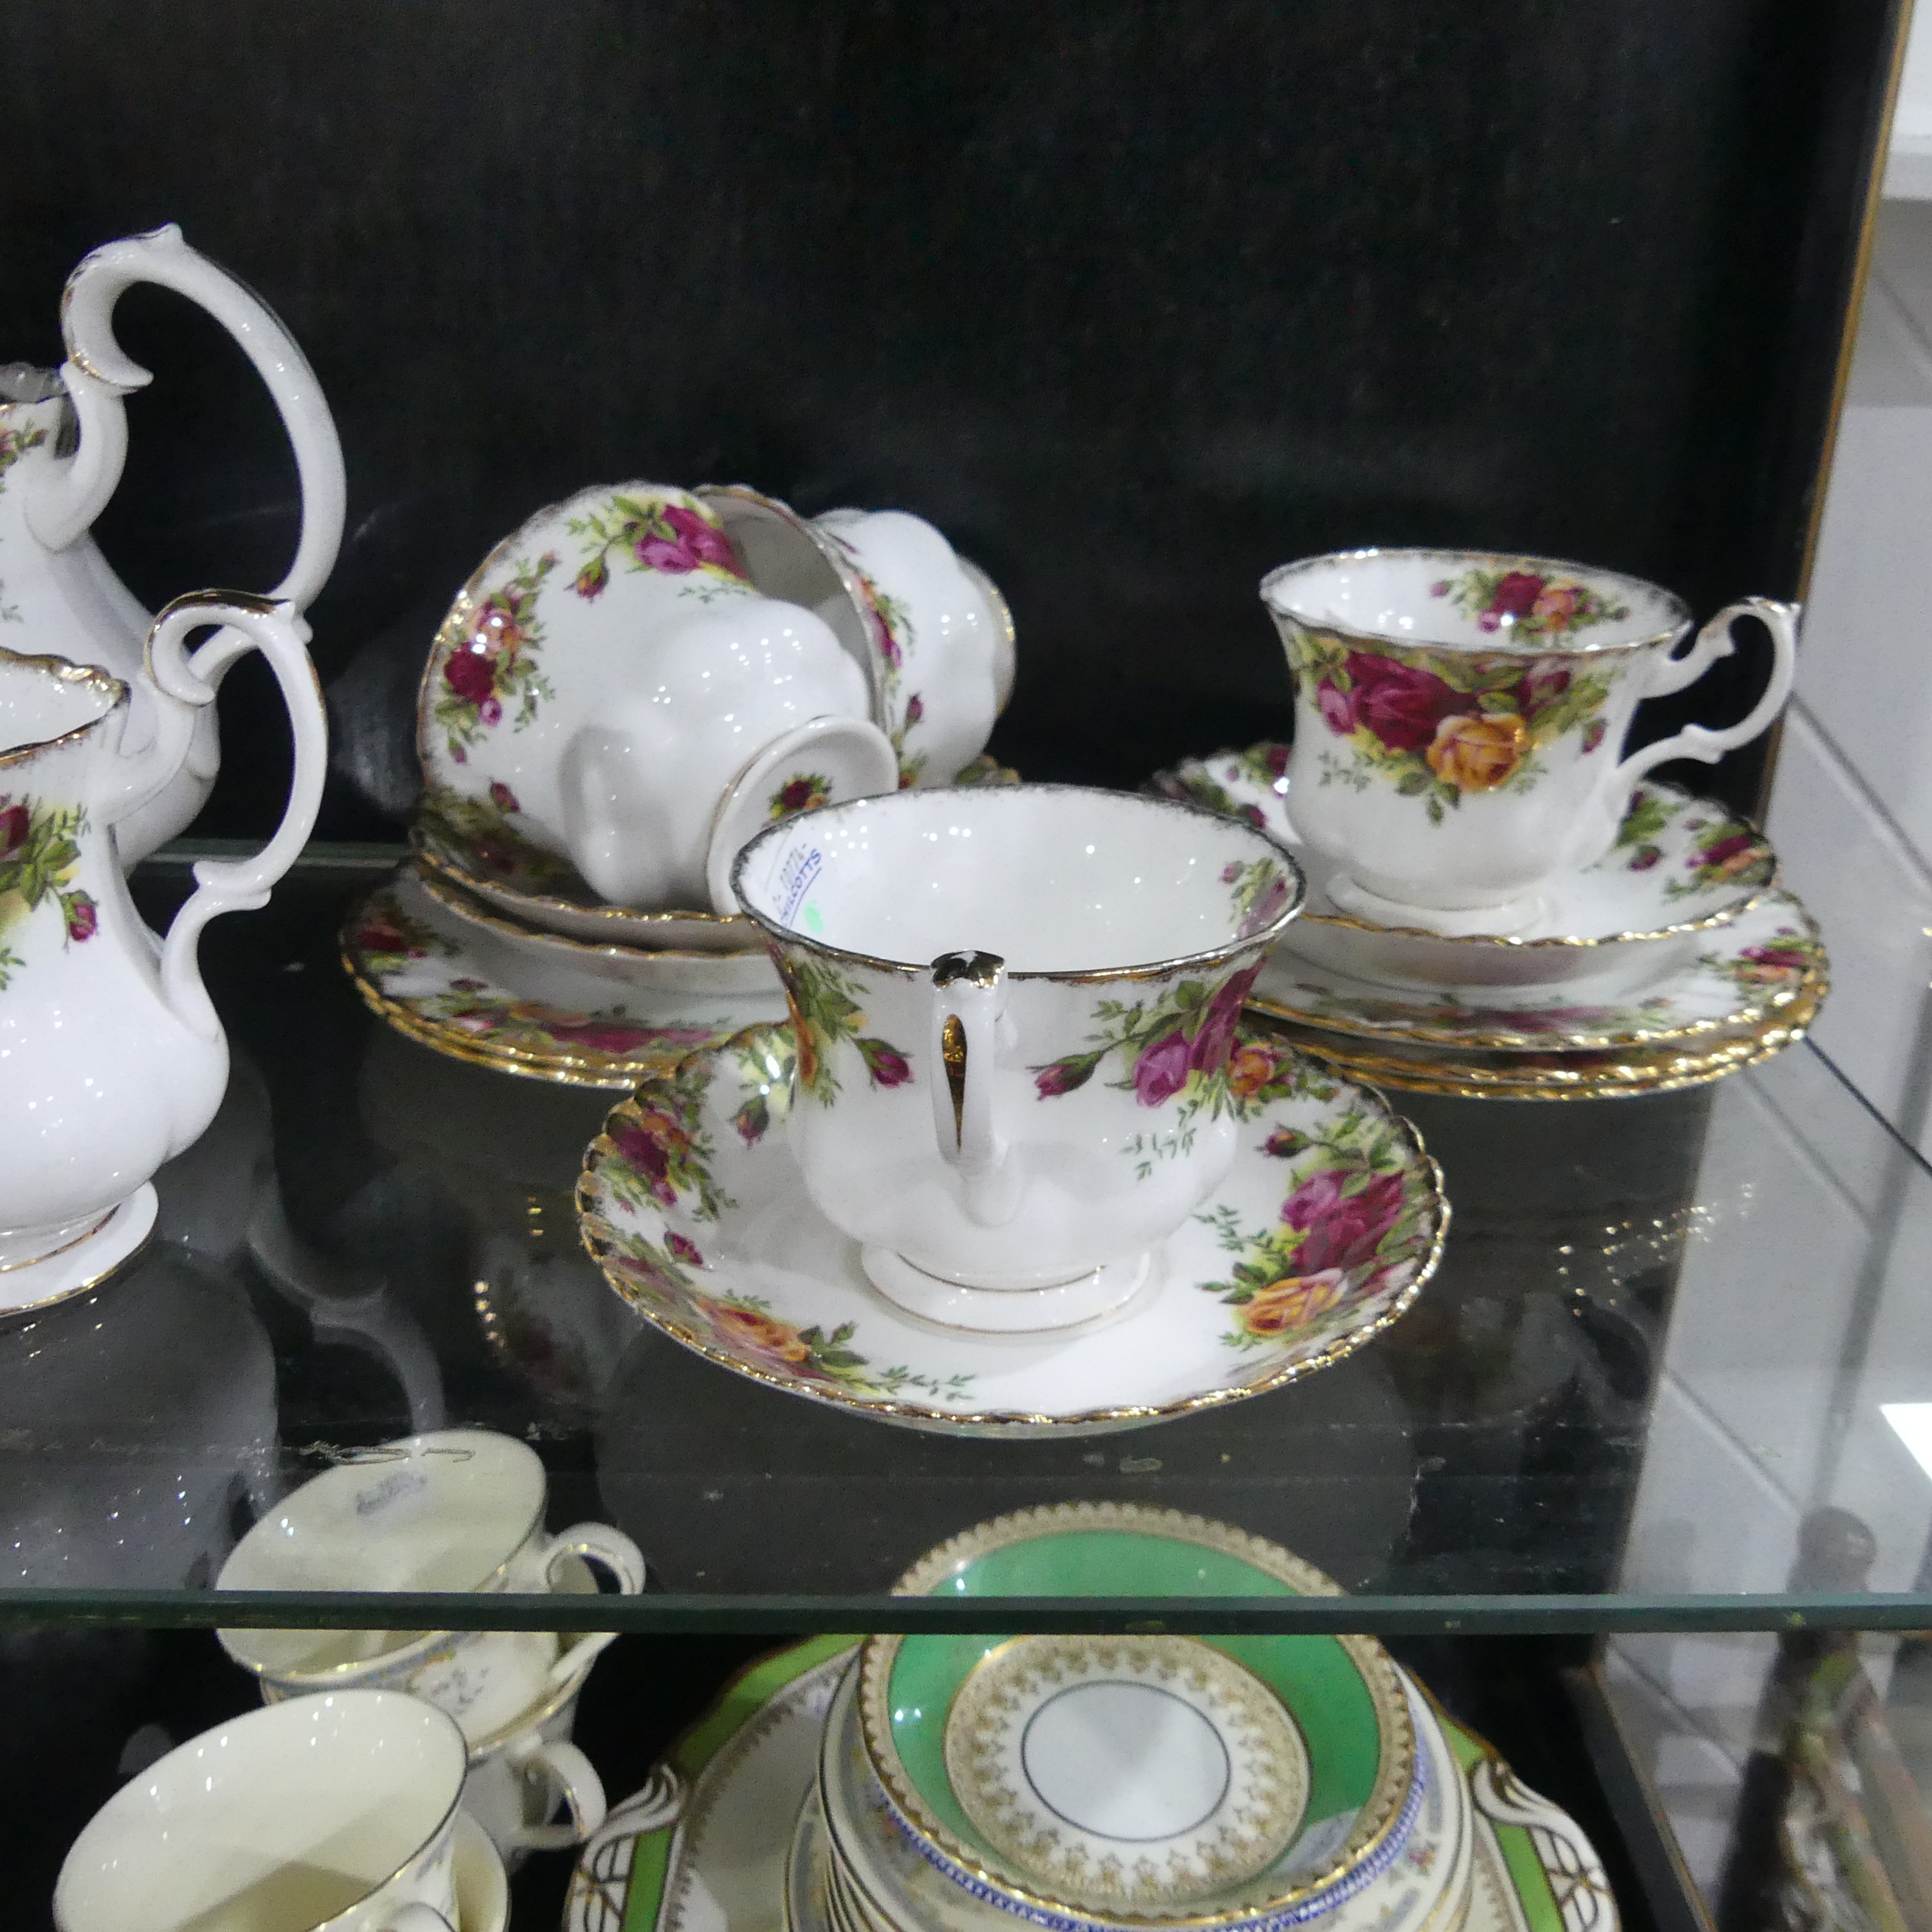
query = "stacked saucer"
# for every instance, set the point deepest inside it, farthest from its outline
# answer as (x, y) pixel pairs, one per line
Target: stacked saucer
(631, 685)
(1672, 960)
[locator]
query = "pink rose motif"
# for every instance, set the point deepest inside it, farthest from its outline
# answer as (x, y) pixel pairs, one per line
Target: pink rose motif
(888, 644)
(1064, 1077)
(915, 708)
(686, 1250)
(471, 675)
(83, 920)
(1336, 708)
(15, 822)
(1540, 688)
(502, 797)
(1594, 735)
(1215, 1041)
(1162, 1069)
(1276, 758)
(694, 544)
(1645, 857)
(490, 712)
(1557, 606)
(886, 1064)
(1401, 704)
(1341, 1231)
(379, 936)
(1514, 596)
(1728, 856)
(601, 1036)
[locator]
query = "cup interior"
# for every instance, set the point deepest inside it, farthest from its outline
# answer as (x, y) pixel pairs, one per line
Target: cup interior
(1052, 879)
(1473, 601)
(435, 1512)
(43, 697)
(273, 1823)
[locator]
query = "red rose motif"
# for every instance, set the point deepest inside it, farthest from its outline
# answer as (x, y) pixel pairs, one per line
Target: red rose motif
(83, 920)
(693, 544)
(885, 1064)
(1341, 1231)
(1276, 757)
(1065, 1076)
(686, 1251)
(471, 675)
(1541, 689)
(1400, 703)
(1594, 735)
(601, 1036)
(1162, 1069)
(915, 708)
(15, 822)
(795, 793)
(502, 797)
(1215, 1041)
(1646, 857)
(888, 644)
(1514, 596)
(1725, 855)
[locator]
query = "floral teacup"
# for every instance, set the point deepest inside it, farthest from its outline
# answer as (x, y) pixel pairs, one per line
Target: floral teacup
(1014, 1011)
(609, 688)
(1459, 718)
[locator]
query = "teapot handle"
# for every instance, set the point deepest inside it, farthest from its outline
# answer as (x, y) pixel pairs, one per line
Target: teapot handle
(241, 885)
(98, 375)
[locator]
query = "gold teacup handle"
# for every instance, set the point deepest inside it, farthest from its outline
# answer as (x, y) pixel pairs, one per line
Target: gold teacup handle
(969, 989)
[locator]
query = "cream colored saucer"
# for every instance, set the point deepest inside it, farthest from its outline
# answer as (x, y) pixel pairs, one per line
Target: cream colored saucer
(461, 988)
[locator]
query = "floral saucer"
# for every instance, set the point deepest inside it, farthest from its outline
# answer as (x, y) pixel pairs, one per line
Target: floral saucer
(1326, 1229)
(1681, 867)
(1748, 972)
(479, 851)
(463, 989)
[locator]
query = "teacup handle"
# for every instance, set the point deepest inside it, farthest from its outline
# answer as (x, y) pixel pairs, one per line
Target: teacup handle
(182, 689)
(969, 991)
(597, 1542)
(1715, 642)
(569, 1775)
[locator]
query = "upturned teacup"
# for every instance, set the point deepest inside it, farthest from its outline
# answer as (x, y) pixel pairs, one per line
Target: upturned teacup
(339, 1810)
(461, 1509)
(609, 688)
(1013, 1012)
(1460, 715)
(520, 1775)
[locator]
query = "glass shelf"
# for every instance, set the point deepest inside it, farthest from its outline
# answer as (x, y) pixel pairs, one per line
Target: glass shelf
(1665, 1329)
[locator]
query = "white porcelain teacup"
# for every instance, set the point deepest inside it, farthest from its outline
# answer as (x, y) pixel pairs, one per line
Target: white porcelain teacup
(519, 1777)
(609, 688)
(339, 1809)
(1014, 1011)
(461, 1509)
(1460, 719)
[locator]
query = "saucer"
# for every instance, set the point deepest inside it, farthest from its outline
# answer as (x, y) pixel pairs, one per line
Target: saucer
(646, 969)
(460, 988)
(706, 1842)
(1324, 1230)
(1747, 972)
(482, 1887)
(1608, 1074)
(1681, 867)
(477, 851)
(33, 1287)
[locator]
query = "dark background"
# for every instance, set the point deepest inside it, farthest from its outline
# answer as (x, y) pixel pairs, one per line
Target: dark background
(1135, 301)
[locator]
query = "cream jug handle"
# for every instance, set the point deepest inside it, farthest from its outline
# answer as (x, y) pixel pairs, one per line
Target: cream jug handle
(226, 885)
(1713, 643)
(969, 991)
(98, 375)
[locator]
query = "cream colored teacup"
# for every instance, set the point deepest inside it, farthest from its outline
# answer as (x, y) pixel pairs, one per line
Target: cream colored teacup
(460, 1510)
(337, 1810)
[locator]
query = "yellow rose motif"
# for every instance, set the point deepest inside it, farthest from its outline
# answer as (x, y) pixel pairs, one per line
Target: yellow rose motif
(1478, 754)
(1289, 1304)
(760, 1333)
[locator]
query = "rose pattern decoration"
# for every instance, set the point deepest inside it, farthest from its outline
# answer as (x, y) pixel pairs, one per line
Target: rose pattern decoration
(891, 625)
(1174, 1048)
(479, 831)
(1357, 1209)
(1727, 850)
(1441, 725)
(678, 536)
(825, 1009)
(807, 792)
(39, 855)
(1527, 604)
(490, 664)
(1781, 964)
(1261, 890)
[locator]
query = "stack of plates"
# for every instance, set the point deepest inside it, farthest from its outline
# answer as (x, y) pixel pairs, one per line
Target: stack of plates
(1129, 1784)
(1673, 960)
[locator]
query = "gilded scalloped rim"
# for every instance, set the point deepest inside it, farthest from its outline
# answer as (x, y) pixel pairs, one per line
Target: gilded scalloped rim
(1393, 1775)
(1750, 1014)
(1660, 1073)
(1709, 922)
(992, 1423)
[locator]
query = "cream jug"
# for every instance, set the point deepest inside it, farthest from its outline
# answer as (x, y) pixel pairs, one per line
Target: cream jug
(112, 1059)
(63, 438)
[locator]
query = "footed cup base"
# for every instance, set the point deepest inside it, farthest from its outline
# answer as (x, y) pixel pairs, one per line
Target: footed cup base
(1065, 1304)
(76, 1265)
(1504, 921)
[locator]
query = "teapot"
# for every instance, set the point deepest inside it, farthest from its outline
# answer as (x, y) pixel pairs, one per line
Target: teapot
(112, 1059)
(55, 585)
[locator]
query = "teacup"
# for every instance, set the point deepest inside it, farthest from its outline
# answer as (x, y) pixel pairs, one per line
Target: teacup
(340, 1809)
(1459, 718)
(1013, 1012)
(520, 1775)
(610, 689)
(459, 1510)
